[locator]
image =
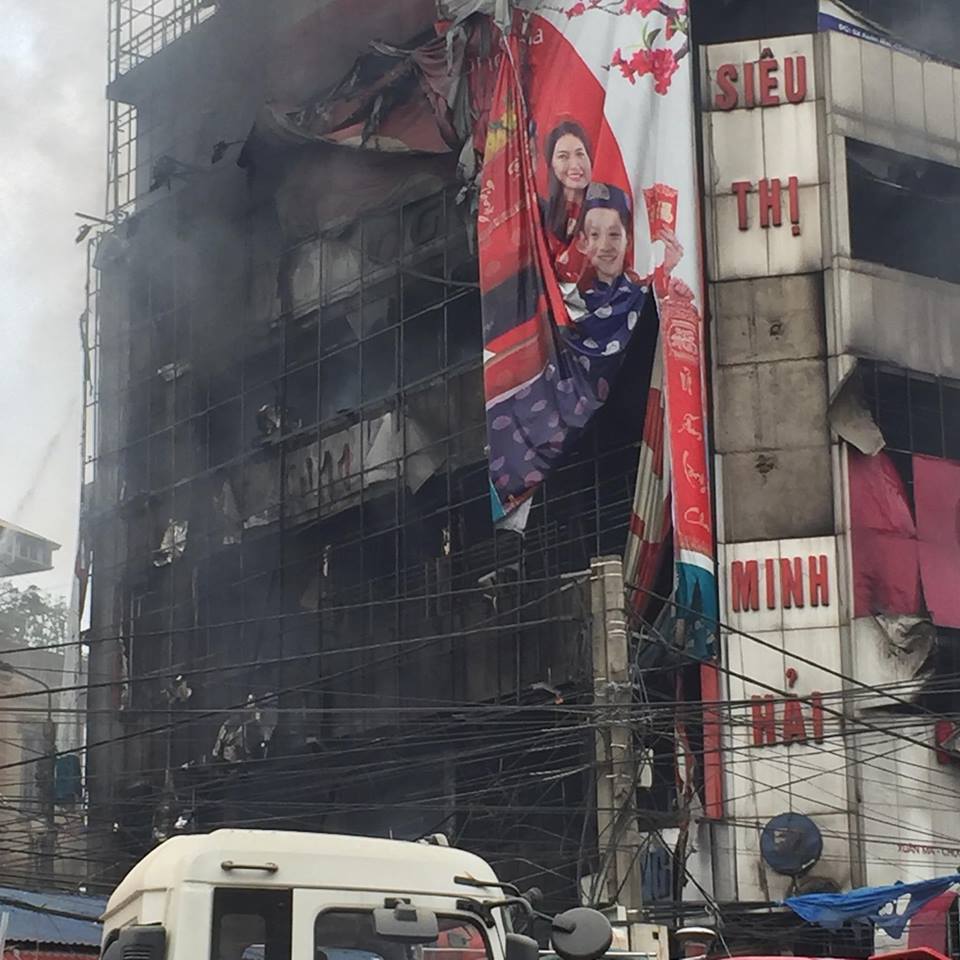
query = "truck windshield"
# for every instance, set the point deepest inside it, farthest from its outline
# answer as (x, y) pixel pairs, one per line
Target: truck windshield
(350, 935)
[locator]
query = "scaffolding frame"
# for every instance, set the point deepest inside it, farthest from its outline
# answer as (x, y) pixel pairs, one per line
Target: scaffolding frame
(141, 28)
(137, 31)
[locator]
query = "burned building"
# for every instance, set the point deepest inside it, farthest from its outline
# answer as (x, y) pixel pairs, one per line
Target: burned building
(306, 610)
(299, 592)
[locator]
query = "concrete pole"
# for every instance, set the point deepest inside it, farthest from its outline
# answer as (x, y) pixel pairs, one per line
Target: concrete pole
(618, 839)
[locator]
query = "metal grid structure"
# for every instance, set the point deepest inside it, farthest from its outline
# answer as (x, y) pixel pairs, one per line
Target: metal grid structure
(354, 390)
(293, 475)
(138, 30)
(291, 502)
(89, 340)
(121, 157)
(141, 28)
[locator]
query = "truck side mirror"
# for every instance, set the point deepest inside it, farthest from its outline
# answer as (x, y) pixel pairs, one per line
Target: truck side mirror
(581, 934)
(520, 947)
(138, 943)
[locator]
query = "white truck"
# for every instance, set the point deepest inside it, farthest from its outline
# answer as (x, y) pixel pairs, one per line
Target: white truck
(273, 895)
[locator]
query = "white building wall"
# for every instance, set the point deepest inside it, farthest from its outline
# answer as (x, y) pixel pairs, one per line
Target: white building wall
(790, 313)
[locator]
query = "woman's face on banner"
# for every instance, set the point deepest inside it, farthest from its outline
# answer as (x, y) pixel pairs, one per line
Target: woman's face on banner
(571, 163)
(604, 243)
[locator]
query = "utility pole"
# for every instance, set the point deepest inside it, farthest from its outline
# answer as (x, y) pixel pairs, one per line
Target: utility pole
(619, 880)
(48, 770)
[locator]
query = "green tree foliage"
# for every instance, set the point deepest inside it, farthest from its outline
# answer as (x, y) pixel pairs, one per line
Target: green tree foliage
(31, 617)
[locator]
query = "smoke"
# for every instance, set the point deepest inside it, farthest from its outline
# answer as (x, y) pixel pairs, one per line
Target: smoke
(52, 112)
(930, 27)
(927, 25)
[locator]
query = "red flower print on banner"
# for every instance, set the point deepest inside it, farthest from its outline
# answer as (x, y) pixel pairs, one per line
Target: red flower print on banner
(624, 65)
(663, 66)
(642, 7)
(662, 63)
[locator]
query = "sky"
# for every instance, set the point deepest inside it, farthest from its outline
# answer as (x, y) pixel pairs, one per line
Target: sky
(52, 163)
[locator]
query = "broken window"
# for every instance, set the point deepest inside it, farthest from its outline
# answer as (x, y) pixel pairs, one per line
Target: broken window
(161, 460)
(302, 402)
(904, 501)
(301, 344)
(189, 449)
(423, 347)
(339, 383)
(381, 241)
(173, 543)
(224, 433)
(424, 221)
(468, 428)
(379, 366)
(341, 263)
(904, 211)
(224, 380)
(261, 364)
(427, 421)
(299, 280)
(423, 286)
(464, 328)
(339, 324)
(261, 415)
(916, 413)
(381, 306)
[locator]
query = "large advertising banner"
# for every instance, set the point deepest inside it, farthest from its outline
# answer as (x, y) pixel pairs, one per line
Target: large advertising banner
(587, 212)
(586, 201)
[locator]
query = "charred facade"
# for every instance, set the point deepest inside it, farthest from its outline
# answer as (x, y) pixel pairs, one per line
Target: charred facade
(298, 584)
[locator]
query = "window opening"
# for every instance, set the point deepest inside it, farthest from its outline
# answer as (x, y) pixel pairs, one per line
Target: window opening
(252, 923)
(904, 211)
(350, 935)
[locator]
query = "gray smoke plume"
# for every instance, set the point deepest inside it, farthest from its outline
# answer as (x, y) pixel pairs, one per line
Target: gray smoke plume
(52, 117)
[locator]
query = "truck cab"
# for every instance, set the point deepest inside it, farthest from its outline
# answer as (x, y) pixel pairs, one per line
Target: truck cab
(275, 895)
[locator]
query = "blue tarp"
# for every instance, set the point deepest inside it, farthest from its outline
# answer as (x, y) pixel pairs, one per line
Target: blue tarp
(40, 926)
(868, 903)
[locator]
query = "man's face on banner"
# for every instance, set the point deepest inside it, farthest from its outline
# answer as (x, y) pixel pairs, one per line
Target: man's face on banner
(603, 241)
(571, 163)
